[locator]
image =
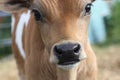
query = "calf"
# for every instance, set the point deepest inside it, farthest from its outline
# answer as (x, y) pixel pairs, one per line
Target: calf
(50, 39)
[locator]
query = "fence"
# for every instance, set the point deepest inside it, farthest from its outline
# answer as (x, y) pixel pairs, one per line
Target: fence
(5, 32)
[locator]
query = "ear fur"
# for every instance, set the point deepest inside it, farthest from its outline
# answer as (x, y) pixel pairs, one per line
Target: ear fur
(21, 3)
(14, 5)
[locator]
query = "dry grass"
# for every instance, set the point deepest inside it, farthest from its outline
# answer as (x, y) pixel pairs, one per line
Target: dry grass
(8, 70)
(108, 63)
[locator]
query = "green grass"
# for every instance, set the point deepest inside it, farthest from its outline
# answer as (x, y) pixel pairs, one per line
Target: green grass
(4, 34)
(113, 25)
(5, 51)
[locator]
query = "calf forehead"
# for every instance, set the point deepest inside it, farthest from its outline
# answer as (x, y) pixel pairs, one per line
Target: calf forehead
(58, 7)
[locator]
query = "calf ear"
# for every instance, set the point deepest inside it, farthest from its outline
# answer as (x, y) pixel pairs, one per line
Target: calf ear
(13, 5)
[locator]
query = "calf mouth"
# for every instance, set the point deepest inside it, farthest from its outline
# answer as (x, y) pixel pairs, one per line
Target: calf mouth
(68, 65)
(65, 63)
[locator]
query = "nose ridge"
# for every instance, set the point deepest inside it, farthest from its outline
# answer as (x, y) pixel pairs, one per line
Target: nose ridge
(67, 49)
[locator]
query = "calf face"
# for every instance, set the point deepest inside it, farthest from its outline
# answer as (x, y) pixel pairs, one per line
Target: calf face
(63, 27)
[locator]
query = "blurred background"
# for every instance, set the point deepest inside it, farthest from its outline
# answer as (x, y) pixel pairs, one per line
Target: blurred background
(104, 35)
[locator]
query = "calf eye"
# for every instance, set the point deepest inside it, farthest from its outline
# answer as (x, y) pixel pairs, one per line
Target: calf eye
(37, 15)
(88, 8)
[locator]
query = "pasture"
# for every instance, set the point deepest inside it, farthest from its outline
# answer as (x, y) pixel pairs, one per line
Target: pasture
(108, 63)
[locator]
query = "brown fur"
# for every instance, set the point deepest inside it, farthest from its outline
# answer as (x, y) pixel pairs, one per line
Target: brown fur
(64, 20)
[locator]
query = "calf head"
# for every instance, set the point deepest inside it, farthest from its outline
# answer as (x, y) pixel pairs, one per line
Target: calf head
(63, 27)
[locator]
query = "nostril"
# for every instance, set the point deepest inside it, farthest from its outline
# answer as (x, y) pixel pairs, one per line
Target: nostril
(67, 49)
(58, 51)
(67, 53)
(77, 48)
